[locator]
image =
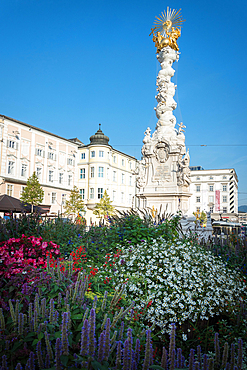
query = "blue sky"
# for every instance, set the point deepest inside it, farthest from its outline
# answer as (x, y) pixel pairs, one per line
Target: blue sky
(68, 65)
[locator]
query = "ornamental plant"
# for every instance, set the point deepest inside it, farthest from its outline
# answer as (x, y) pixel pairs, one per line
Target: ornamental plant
(185, 283)
(17, 253)
(72, 330)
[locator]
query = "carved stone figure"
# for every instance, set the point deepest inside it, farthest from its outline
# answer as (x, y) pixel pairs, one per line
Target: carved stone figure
(183, 174)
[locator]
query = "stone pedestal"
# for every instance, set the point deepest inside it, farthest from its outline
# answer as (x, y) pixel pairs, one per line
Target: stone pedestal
(163, 175)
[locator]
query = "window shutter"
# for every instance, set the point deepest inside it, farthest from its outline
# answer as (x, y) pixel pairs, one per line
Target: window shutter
(74, 163)
(16, 145)
(7, 143)
(43, 154)
(36, 150)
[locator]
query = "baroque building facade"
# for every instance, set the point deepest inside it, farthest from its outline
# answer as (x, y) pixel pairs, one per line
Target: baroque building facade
(25, 149)
(102, 168)
(60, 164)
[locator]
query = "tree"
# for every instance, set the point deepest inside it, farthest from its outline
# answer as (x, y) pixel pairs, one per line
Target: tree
(104, 207)
(75, 203)
(33, 192)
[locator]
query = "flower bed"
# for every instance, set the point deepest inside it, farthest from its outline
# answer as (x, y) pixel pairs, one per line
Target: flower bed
(183, 281)
(17, 253)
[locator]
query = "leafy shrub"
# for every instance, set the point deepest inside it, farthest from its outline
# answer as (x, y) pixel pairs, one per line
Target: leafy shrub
(15, 254)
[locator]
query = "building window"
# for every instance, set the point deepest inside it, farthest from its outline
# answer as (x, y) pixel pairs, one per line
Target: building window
(198, 209)
(122, 178)
(69, 180)
(53, 198)
(92, 172)
(130, 180)
(39, 172)
(211, 199)
(114, 159)
(224, 177)
(10, 190)
(211, 209)
(114, 195)
(122, 162)
(100, 193)
(198, 187)
(224, 187)
(224, 199)
(60, 178)
(22, 188)
(11, 144)
(130, 165)
(82, 192)
(101, 154)
(70, 161)
(122, 197)
(211, 178)
(51, 173)
(198, 178)
(83, 155)
(11, 167)
(82, 173)
(93, 154)
(24, 170)
(130, 198)
(198, 199)
(101, 172)
(51, 155)
(91, 193)
(211, 188)
(39, 152)
(108, 173)
(114, 176)
(224, 209)
(63, 199)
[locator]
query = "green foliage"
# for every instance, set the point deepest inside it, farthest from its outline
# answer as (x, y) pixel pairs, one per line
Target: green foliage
(33, 192)
(104, 207)
(75, 203)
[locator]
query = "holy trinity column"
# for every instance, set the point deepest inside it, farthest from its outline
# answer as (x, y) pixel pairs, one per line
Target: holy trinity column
(163, 175)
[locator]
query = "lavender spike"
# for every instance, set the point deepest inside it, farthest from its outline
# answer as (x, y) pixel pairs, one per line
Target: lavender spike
(232, 361)
(191, 359)
(92, 340)
(164, 361)
(4, 363)
(101, 351)
(39, 355)
(225, 355)
(64, 336)
(137, 352)
(119, 353)
(148, 351)
(126, 355)
(240, 354)
(84, 339)
(107, 339)
(58, 354)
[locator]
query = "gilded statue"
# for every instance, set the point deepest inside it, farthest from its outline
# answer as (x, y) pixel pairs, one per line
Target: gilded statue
(167, 29)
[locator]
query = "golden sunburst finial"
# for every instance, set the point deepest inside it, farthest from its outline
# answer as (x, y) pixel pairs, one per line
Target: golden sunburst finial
(167, 29)
(167, 19)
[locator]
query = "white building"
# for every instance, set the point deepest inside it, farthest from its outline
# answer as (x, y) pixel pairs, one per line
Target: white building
(25, 149)
(215, 191)
(100, 168)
